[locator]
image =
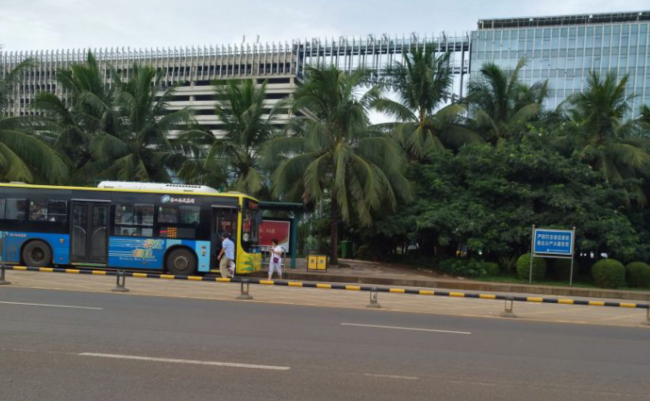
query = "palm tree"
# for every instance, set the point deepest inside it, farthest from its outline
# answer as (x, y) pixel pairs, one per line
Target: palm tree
(139, 149)
(23, 157)
(605, 134)
(331, 154)
(234, 158)
(89, 109)
(423, 83)
(26, 158)
(500, 102)
(644, 119)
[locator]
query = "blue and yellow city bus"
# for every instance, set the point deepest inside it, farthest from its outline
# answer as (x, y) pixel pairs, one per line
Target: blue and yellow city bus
(120, 225)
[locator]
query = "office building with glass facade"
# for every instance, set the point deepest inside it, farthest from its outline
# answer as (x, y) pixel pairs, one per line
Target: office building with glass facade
(564, 49)
(560, 49)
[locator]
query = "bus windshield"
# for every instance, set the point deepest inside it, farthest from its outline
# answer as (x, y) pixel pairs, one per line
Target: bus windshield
(251, 223)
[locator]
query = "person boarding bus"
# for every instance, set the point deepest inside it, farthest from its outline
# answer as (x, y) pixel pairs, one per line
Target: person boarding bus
(226, 256)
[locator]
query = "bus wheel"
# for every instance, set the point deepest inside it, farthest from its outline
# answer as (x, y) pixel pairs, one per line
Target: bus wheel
(37, 254)
(181, 262)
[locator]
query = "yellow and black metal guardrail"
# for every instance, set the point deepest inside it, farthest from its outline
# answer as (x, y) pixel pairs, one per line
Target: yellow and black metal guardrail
(373, 290)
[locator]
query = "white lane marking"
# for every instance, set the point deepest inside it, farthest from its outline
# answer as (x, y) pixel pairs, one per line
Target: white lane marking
(406, 328)
(52, 305)
(391, 376)
(186, 361)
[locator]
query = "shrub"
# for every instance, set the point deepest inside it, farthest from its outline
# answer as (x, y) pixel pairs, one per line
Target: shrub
(523, 267)
(508, 263)
(608, 273)
(491, 268)
(562, 269)
(638, 274)
(363, 253)
(446, 265)
(462, 267)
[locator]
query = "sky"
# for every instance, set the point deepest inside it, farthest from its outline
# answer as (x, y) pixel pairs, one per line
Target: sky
(64, 24)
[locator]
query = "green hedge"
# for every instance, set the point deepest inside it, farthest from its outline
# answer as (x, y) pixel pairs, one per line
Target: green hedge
(561, 269)
(491, 268)
(523, 267)
(608, 273)
(638, 274)
(462, 267)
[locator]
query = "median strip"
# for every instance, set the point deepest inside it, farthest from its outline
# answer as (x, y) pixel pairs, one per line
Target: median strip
(246, 282)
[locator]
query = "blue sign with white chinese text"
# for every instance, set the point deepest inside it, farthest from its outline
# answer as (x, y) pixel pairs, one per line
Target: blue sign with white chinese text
(554, 242)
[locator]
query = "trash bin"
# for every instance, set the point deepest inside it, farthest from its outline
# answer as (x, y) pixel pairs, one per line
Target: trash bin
(346, 249)
(317, 262)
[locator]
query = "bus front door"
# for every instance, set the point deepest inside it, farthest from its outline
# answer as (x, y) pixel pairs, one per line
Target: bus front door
(224, 219)
(89, 239)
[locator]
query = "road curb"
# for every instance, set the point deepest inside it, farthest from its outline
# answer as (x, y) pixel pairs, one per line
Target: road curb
(468, 286)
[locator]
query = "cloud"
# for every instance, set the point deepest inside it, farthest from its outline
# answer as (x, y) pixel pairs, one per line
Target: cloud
(46, 24)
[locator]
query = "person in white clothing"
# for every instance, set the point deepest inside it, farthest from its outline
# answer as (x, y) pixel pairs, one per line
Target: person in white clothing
(275, 263)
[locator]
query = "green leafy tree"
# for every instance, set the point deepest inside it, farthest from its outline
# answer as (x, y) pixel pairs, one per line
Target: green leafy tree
(486, 198)
(332, 155)
(23, 156)
(425, 122)
(234, 158)
(605, 137)
(501, 104)
(140, 148)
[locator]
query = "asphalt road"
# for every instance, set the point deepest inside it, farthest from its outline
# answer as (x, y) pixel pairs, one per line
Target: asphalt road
(57, 345)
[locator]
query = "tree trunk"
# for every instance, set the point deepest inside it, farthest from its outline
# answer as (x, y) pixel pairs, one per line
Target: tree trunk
(334, 231)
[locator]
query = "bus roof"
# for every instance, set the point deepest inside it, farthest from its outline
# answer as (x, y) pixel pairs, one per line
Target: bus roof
(134, 190)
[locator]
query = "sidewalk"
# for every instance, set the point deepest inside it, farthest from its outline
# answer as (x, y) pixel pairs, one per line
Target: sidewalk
(331, 298)
(365, 272)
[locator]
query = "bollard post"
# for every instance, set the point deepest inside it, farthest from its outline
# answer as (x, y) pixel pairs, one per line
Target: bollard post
(647, 315)
(508, 309)
(121, 282)
(374, 299)
(245, 288)
(2, 276)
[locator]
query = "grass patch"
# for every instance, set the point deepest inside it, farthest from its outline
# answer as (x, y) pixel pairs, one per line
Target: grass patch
(517, 280)
(576, 284)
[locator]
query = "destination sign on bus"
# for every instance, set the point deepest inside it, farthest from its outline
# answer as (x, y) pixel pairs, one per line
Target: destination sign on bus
(176, 199)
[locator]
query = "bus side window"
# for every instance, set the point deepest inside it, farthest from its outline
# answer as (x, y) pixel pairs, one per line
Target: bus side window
(15, 209)
(38, 210)
(143, 214)
(53, 211)
(190, 215)
(134, 220)
(168, 214)
(2, 209)
(57, 211)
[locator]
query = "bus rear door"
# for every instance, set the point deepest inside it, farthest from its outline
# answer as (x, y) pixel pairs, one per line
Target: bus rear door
(89, 239)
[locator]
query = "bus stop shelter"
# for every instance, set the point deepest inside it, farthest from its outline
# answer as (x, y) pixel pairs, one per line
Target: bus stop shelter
(294, 212)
